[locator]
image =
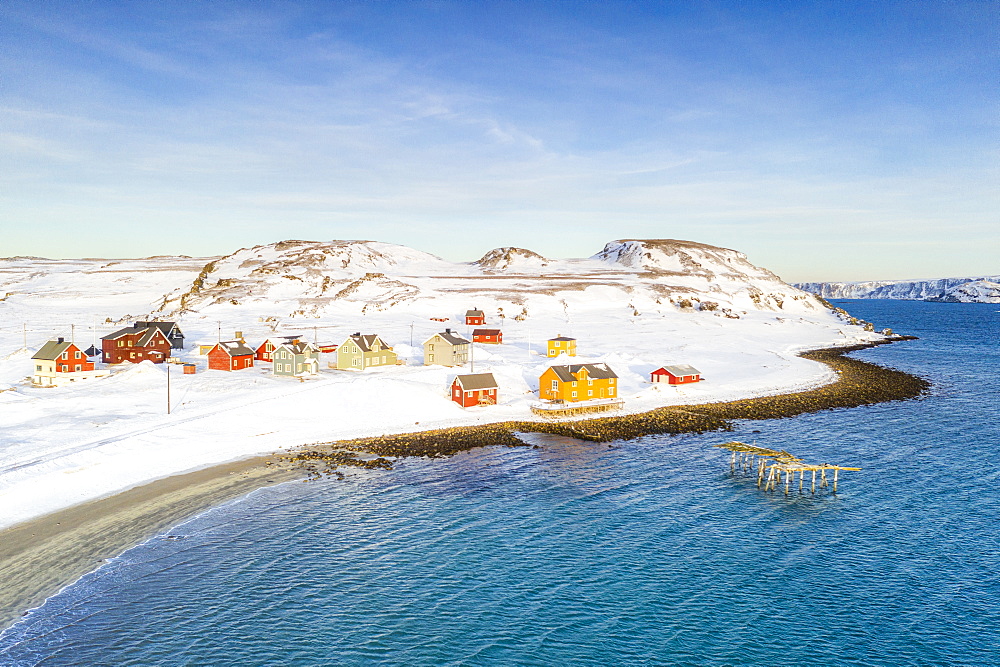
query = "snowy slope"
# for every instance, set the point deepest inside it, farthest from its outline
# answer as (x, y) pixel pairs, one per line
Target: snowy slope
(977, 291)
(635, 305)
(891, 289)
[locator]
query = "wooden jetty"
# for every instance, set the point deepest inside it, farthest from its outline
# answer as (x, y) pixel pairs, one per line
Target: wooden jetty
(775, 467)
(557, 409)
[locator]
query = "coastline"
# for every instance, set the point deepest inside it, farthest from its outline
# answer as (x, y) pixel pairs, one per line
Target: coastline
(41, 556)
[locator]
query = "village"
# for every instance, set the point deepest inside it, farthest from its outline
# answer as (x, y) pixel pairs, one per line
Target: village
(564, 390)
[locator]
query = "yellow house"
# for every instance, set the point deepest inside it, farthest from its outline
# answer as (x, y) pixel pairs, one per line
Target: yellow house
(578, 382)
(359, 352)
(560, 344)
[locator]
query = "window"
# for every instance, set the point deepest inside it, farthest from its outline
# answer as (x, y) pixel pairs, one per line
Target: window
(611, 381)
(131, 355)
(574, 383)
(430, 357)
(77, 367)
(611, 392)
(288, 368)
(65, 355)
(430, 347)
(574, 394)
(78, 355)
(468, 393)
(38, 368)
(590, 392)
(555, 385)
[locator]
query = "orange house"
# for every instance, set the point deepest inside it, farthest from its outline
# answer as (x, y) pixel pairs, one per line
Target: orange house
(578, 382)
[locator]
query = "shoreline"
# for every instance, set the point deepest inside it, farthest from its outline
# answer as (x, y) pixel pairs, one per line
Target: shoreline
(43, 555)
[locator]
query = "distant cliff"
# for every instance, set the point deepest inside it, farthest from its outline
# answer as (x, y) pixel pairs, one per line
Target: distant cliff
(972, 289)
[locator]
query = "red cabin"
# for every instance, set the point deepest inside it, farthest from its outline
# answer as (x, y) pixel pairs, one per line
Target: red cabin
(676, 374)
(490, 336)
(136, 343)
(475, 318)
(230, 355)
(474, 389)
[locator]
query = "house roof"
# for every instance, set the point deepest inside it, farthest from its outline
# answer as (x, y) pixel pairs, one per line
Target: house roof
(51, 350)
(235, 348)
(596, 371)
(474, 381)
(485, 332)
(167, 328)
(449, 337)
(92, 351)
(680, 370)
(147, 329)
(123, 332)
(474, 313)
(302, 347)
(367, 341)
(562, 338)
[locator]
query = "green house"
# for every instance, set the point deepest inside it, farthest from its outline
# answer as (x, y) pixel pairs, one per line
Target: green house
(360, 352)
(295, 359)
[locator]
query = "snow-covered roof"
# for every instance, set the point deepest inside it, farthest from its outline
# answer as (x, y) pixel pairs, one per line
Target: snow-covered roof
(475, 381)
(474, 313)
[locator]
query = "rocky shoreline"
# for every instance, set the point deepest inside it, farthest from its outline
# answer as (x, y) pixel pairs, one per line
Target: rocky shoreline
(859, 383)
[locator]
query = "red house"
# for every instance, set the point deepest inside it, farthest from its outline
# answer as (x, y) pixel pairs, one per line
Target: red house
(490, 336)
(676, 374)
(474, 389)
(136, 343)
(475, 317)
(230, 355)
(267, 348)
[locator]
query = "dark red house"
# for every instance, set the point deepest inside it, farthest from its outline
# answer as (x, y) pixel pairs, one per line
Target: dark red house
(475, 317)
(474, 389)
(230, 355)
(490, 336)
(676, 374)
(141, 342)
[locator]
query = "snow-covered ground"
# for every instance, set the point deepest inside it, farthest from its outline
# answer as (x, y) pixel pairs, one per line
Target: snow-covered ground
(634, 306)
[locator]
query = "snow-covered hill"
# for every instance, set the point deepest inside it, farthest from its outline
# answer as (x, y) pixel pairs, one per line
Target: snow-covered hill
(319, 279)
(977, 291)
(635, 305)
(931, 290)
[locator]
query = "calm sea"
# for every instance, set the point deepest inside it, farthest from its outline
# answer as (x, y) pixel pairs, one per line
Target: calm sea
(642, 552)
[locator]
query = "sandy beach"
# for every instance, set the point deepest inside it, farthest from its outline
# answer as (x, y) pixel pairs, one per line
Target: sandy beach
(42, 556)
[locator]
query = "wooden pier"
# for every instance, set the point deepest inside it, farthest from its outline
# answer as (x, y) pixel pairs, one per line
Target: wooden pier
(775, 468)
(555, 410)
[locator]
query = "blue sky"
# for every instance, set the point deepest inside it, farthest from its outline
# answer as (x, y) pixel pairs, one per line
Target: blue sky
(828, 140)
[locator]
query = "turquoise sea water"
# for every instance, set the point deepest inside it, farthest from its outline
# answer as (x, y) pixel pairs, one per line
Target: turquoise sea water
(643, 552)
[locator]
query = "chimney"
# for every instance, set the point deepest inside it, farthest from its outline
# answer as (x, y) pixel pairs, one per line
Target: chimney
(447, 331)
(60, 339)
(356, 333)
(239, 335)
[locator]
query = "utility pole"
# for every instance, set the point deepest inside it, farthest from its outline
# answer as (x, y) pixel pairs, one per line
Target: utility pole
(72, 333)
(472, 357)
(315, 335)
(219, 322)
(411, 334)
(168, 387)
(24, 326)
